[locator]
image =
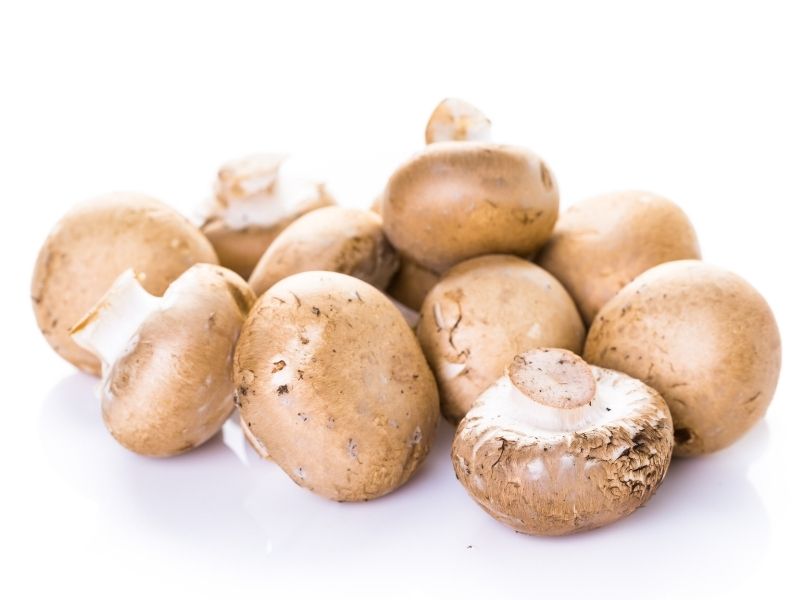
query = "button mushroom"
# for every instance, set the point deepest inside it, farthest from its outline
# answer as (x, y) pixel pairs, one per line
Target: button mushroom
(457, 200)
(602, 243)
(344, 240)
(255, 198)
(167, 384)
(332, 384)
(457, 120)
(481, 314)
(88, 249)
(704, 338)
(557, 446)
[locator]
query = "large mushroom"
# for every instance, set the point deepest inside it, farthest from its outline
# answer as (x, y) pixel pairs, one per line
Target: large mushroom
(557, 446)
(334, 238)
(255, 198)
(333, 386)
(92, 245)
(704, 338)
(481, 314)
(601, 244)
(458, 200)
(167, 384)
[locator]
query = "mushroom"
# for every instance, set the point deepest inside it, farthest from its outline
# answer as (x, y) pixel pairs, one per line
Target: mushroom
(457, 200)
(557, 446)
(704, 338)
(255, 198)
(602, 243)
(345, 240)
(411, 283)
(333, 385)
(167, 384)
(91, 245)
(456, 120)
(481, 314)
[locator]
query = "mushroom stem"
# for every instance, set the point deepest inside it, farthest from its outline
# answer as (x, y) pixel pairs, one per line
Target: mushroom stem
(112, 323)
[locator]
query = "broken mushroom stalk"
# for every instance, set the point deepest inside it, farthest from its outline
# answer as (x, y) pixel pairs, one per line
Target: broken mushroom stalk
(557, 446)
(167, 385)
(255, 198)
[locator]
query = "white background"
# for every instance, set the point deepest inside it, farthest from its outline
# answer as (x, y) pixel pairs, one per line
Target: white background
(696, 101)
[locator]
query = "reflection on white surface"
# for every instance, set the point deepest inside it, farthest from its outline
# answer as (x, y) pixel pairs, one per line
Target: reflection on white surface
(707, 521)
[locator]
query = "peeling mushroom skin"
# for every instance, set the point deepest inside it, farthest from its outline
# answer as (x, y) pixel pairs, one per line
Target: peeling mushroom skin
(344, 240)
(481, 314)
(458, 200)
(255, 198)
(332, 381)
(457, 120)
(599, 245)
(557, 446)
(167, 361)
(704, 338)
(88, 249)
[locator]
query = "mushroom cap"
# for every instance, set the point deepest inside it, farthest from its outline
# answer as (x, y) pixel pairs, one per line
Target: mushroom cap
(331, 381)
(457, 200)
(548, 467)
(344, 240)
(600, 244)
(411, 283)
(457, 120)
(703, 337)
(88, 249)
(255, 198)
(167, 383)
(481, 314)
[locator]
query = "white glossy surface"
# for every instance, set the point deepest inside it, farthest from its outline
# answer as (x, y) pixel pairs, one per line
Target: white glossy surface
(698, 102)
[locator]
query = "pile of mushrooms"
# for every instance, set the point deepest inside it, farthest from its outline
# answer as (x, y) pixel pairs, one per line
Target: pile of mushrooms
(576, 353)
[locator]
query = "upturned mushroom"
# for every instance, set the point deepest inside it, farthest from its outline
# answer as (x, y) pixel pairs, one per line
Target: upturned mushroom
(88, 249)
(481, 314)
(601, 244)
(344, 240)
(167, 384)
(457, 120)
(332, 384)
(458, 200)
(255, 198)
(557, 446)
(704, 338)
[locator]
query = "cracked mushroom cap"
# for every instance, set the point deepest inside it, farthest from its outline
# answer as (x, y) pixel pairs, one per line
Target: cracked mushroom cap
(344, 240)
(704, 338)
(557, 446)
(255, 198)
(457, 200)
(332, 384)
(167, 385)
(88, 249)
(457, 120)
(484, 312)
(599, 245)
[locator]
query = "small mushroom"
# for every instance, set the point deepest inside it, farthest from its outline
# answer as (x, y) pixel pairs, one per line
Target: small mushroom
(557, 446)
(167, 384)
(456, 120)
(332, 383)
(411, 283)
(255, 198)
(458, 200)
(92, 245)
(481, 314)
(704, 338)
(601, 244)
(344, 240)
